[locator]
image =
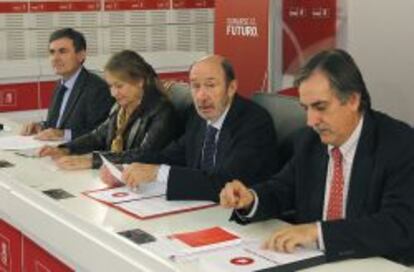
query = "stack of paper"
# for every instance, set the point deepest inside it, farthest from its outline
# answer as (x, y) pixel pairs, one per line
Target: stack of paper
(18, 142)
(250, 256)
(147, 202)
(147, 208)
(124, 193)
(190, 245)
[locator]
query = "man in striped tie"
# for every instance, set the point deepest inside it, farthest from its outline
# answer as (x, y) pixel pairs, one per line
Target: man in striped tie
(350, 183)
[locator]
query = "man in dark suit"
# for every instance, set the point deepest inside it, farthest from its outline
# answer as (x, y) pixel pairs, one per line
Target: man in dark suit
(81, 100)
(351, 180)
(226, 137)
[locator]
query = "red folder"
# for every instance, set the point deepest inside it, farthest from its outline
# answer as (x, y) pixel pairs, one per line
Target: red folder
(205, 237)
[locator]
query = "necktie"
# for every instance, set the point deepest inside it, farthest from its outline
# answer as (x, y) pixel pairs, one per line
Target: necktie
(54, 115)
(336, 194)
(209, 148)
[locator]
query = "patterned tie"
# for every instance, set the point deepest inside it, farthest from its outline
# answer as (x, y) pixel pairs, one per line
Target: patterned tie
(336, 194)
(209, 148)
(54, 114)
(117, 144)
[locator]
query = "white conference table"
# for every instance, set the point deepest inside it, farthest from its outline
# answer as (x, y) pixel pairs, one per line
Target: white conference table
(83, 232)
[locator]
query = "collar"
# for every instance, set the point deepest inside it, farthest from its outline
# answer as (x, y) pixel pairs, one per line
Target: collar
(349, 147)
(71, 81)
(218, 124)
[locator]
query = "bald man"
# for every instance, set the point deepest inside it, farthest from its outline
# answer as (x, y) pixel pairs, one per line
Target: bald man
(226, 137)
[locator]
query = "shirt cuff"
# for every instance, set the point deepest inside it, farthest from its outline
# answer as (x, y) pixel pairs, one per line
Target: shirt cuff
(67, 136)
(163, 173)
(243, 214)
(253, 209)
(321, 244)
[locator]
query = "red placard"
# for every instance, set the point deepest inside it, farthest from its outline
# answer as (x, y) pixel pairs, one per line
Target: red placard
(18, 96)
(136, 4)
(10, 248)
(25, 96)
(64, 6)
(14, 7)
(309, 26)
(241, 35)
(191, 4)
(37, 259)
(38, 95)
(46, 92)
(292, 91)
(175, 76)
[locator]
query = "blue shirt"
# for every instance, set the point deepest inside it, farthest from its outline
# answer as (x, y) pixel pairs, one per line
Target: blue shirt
(69, 87)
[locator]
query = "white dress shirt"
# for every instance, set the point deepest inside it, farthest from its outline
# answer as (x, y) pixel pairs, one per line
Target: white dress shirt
(348, 150)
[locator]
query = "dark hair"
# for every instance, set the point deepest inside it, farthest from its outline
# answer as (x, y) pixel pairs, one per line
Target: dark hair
(228, 71)
(77, 38)
(342, 72)
(129, 66)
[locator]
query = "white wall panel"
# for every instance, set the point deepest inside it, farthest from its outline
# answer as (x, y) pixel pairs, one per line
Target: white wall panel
(381, 39)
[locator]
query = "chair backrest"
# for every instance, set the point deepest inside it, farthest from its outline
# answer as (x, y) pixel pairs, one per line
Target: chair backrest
(288, 116)
(180, 96)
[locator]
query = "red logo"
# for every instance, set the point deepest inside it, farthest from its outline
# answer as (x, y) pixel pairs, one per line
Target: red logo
(242, 261)
(4, 254)
(120, 194)
(8, 98)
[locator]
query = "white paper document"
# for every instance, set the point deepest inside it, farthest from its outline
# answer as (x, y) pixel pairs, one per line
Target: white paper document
(191, 245)
(124, 193)
(18, 142)
(284, 258)
(157, 206)
(112, 169)
(234, 260)
(250, 257)
(28, 153)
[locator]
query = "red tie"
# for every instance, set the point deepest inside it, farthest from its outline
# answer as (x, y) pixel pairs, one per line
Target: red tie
(336, 194)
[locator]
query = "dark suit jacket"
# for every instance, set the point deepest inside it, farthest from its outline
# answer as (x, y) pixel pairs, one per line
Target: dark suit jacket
(150, 128)
(246, 149)
(88, 105)
(380, 205)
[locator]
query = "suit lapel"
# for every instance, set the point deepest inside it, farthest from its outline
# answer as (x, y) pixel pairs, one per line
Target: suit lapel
(74, 96)
(223, 144)
(362, 169)
(136, 126)
(53, 106)
(225, 136)
(315, 175)
(197, 145)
